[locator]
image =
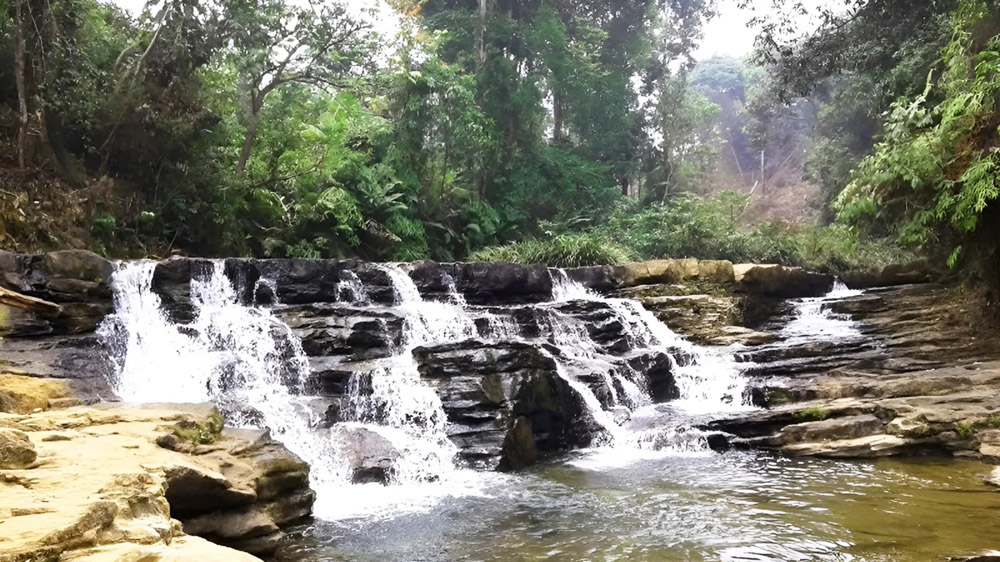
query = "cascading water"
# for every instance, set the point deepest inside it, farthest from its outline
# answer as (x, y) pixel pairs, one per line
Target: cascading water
(814, 321)
(710, 381)
(241, 358)
(250, 363)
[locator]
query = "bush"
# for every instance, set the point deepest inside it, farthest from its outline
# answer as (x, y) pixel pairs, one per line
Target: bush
(703, 228)
(566, 250)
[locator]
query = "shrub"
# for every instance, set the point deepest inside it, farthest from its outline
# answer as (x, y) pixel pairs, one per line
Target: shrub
(566, 250)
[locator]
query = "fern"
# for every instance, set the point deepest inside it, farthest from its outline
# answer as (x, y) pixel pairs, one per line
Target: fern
(926, 146)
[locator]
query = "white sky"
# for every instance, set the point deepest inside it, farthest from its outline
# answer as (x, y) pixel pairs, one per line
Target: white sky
(727, 34)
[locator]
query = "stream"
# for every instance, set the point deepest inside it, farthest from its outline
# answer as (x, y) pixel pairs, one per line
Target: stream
(647, 487)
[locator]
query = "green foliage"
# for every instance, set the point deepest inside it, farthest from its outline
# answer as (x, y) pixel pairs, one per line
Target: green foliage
(567, 250)
(705, 228)
(200, 433)
(965, 429)
(936, 166)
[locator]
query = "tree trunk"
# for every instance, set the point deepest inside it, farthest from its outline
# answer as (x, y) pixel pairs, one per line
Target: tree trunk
(557, 117)
(22, 90)
(253, 122)
(481, 34)
(31, 304)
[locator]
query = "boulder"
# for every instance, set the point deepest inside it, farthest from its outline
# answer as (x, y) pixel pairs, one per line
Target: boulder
(16, 449)
(659, 271)
(192, 490)
(719, 272)
(893, 275)
(601, 278)
(370, 456)
(249, 530)
(780, 281)
(239, 490)
(21, 395)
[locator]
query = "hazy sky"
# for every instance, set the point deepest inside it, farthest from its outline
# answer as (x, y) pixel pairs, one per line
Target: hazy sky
(727, 34)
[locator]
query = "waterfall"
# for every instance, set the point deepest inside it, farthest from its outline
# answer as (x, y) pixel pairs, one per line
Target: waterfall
(395, 397)
(251, 364)
(241, 358)
(713, 382)
(814, 321)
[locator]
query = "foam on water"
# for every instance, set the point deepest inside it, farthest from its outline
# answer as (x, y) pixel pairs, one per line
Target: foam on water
(815, 321)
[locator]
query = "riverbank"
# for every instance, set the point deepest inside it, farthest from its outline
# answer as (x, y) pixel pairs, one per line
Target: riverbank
(151, 482)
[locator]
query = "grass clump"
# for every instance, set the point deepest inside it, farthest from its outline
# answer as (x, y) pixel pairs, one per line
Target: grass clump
(564, 250)
(811, 414)
(965, 429)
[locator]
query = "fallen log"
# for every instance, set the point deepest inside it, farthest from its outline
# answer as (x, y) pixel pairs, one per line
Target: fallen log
(31, 304)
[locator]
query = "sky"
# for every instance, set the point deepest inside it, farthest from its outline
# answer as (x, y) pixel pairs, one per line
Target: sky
(727, 34)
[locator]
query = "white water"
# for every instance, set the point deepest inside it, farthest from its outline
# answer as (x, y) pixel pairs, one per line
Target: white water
(230, 354)
(814, 321)
(712, 383)
(237, 356)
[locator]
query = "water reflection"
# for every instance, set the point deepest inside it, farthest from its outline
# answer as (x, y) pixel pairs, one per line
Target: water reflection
(739, 506)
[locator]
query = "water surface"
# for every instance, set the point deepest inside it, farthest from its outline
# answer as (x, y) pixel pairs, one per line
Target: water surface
(621, 505)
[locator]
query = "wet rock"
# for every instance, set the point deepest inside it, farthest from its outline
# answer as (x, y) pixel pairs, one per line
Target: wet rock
(486, 387)
(370, 456)
(346, 334)
(659, 372)
(16, 449)
(602, 278)
(519, 449)
(484, 283)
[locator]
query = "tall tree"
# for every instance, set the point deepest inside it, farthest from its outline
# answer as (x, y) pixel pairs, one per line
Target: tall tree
(274, 43)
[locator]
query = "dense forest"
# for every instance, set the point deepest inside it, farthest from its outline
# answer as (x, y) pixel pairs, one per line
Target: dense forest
(542, 131)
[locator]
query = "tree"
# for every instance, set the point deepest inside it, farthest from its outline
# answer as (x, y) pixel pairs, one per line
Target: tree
(273, 44)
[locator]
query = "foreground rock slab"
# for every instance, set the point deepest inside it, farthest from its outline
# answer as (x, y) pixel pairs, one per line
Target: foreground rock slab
(109, 482)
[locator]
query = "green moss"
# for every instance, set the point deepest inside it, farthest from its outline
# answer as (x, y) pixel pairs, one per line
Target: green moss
(201, 433)
(811, 414)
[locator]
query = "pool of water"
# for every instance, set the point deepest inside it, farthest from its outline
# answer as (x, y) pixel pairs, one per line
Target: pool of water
(621, 505)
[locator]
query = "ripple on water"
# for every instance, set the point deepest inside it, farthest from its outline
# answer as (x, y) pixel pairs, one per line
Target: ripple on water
(656, 506)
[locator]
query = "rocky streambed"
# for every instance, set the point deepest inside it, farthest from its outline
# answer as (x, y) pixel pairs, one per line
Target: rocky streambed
(417, 379)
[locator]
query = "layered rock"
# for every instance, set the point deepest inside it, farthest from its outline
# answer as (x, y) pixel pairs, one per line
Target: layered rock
(61, 344)
(505, 402)
(115, 482)
(919, 379)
